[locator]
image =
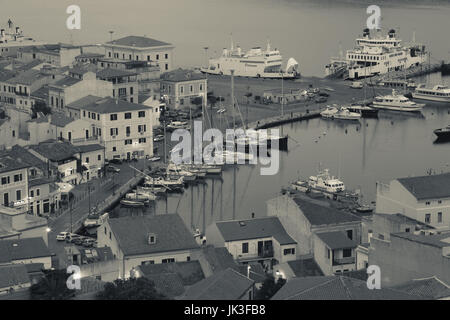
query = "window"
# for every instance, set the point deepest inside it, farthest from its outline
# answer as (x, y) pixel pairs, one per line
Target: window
(350, 234)
(110, 237)
(142, 140)
(166, 56)
(201, 87)
(128, 141)
(289, 251)
(439, 217)
(167, 67)
(17, 177)
(407, 230)
(170, 260)
(18, 195)
(128, 115)
(157, 57)
(113, 117)
(439, 201)
(114, 149)
(128, 131)
(148, 58)
(181, 89)
(99, 157)
(328, 253)
(141, 114)
(245, 247)
(87, 159)
(427, 203)
(191, 88)
(114, 131)
(32, 193)
(38, 192)
(346, 253)
(428, 218)
(131, 90)
(5, 180)
(142, 128)
(122, 92)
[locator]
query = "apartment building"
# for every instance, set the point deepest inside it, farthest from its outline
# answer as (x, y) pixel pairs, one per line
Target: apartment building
(58, 55)
(424, 198)
(141, 49)
(123, 128)
(125, 84)
(13, 181)
(184, 89)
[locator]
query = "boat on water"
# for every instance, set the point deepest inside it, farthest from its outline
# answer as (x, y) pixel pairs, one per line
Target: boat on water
(443, 133)
(342, 113)
(396, 102)
(440, 93)
(365, 111)
(324, 181)
(376, 53)
(255, 63)
(160, 182)
(148, 188)
(176, 172)
(140, 196)
(132, 203)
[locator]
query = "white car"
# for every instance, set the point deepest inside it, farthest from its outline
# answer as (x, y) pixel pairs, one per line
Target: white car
(223, 110)
(62, 236)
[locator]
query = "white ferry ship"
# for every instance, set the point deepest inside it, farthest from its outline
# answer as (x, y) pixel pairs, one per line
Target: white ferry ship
(256, 62)
(326, 182)
(12, 38)
(377, 54)
(437, 93)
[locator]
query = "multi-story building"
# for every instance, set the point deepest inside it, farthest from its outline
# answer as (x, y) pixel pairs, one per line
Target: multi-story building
(141, 49)
(13, 181)
(125, 85)
(92, 157)
(58, 55)
(69, 89)
(123, 128)
(136, 241)
(183, 89)
(261, 240)
(425, 198)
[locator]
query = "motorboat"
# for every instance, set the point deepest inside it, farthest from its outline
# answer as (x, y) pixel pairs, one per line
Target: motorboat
(396, 102)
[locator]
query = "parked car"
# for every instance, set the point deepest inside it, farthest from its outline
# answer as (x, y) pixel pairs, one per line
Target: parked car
(88, 243)
(159, 137)
(78, 240)
(113, 169)
(72, 237)
(115, 161)
(62, 236)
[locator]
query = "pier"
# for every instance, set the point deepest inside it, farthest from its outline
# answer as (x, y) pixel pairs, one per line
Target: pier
(280, 120)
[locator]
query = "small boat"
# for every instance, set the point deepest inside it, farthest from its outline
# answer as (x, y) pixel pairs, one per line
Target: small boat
(131, 203)
(329, 112)
(325, 181)
(365, 111)
(178, 125)
(177, 172)
(164, 182)
(345, 114)
(443, 133)
(396, 102)
(357, 85)
(140, 196)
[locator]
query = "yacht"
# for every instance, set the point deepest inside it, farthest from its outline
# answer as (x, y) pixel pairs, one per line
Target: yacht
(340, 114)
(164, 183)
(140, 196)
(376, 53)
(255, 63)
(326, 182)
(439, 93)
(396, 102)
(443, 133)
(132, 203)
(365, 111)
(177, 172)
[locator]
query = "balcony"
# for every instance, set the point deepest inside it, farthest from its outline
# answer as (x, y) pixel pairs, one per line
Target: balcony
(342, 261)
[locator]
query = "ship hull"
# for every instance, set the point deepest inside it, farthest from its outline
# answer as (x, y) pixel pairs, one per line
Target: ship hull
(430, 98)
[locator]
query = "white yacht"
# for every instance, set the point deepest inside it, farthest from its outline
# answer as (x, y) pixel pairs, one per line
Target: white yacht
(326, 182)
(256, 62)
(340, 114)
(396, 102)
(375, 54)
(437, 93)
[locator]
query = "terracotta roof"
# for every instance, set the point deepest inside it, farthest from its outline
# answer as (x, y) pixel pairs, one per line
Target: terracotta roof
(55, 150)
(140, 42)
(171, 234)
(337, 240)
(429, 287)
(336, 288)
(321, 215)
(428, 187)
(236, 230)
(228, 284)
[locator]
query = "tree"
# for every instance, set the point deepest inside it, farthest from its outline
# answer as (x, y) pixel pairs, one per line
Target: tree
(269, 288)
(40, 107)
(52, 286)
(130, 289)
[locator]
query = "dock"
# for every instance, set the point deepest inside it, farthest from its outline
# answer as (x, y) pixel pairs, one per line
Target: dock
(280, 120)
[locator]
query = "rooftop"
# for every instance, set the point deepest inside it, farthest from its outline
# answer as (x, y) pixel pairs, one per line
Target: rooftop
(105, 105)
(336, 288)
(55, 150)
(305, 267)
(228, 284)
(66, 82)
(13, 275)
(432, 288)
(439, 240)
(257, 228)
(89, 148)
(25, 156)
(337, 240)
(9, 162)
(401, 218)
(27, 77)
(114, 73)
(428, 187)
(81, 69)
(321, 215)
(171, 234)
(20, 249)
(140, 42)
(59, 119)
(181, 75)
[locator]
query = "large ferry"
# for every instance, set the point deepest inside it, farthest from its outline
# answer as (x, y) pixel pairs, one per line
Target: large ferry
(256, 62)
(437, 93)
(12, 38)
(375, 54)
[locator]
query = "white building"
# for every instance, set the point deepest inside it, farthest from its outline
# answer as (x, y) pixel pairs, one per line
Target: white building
(425, 198)
(125, 129)
(141, 49)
